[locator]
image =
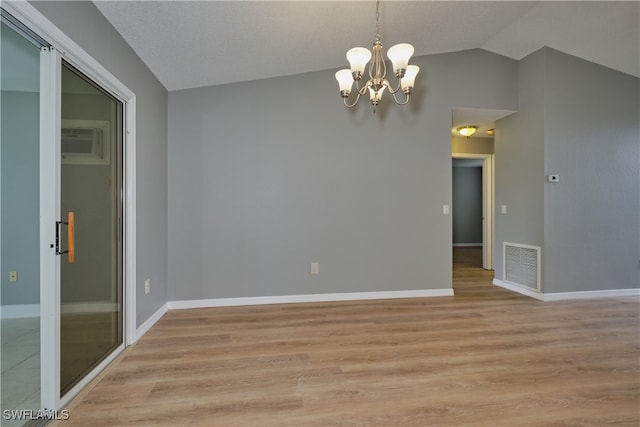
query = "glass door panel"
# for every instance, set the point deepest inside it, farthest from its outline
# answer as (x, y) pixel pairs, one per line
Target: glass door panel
(91, 310)
(19, 231)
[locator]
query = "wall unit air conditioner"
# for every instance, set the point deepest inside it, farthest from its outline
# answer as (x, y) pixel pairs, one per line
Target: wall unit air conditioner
(86, 142)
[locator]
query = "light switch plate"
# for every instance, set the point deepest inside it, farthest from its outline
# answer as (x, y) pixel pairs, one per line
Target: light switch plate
(315, 268)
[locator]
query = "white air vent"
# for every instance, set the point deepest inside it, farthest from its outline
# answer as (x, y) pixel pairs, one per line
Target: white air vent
(521, 264)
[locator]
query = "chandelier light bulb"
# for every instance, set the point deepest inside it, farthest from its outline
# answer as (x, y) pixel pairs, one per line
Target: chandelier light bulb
(376, 95)
(409, 78)
(399, 56)
(358, 58)
(345, 81)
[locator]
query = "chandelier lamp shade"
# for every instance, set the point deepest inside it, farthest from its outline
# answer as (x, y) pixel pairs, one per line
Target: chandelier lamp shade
(359, 57)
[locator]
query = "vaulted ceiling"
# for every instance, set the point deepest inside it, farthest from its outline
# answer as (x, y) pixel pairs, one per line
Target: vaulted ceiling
(200, 43)
(190, 44)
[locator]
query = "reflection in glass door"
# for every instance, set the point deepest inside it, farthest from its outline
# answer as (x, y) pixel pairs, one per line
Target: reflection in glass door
(20, 258)
(91, 310)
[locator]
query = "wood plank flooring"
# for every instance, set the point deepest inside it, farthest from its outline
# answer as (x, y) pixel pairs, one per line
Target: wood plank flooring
(485, 357)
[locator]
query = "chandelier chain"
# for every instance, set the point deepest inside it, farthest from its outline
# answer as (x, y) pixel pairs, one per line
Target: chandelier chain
(378, 20)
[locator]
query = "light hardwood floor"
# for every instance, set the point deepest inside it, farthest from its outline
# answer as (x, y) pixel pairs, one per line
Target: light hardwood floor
(485, 357)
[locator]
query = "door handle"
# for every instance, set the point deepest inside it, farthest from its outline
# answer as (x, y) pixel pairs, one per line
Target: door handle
(71, 237)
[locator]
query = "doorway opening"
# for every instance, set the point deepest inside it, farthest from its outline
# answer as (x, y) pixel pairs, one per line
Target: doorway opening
(476, 186)
(477, 147)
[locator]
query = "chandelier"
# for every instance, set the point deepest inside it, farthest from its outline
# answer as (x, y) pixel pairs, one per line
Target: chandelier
(358, 58)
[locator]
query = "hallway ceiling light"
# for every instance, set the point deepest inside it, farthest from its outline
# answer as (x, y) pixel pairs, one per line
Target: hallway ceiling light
(491, 132)
(359, 57)
(467, 130)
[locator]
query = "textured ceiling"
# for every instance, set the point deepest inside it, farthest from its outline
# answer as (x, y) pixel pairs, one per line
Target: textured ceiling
(190, 44)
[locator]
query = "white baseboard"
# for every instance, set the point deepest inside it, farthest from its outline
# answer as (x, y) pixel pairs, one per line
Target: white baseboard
(150, 322)
(613, 293)
(519, 289)
(466, 245)
(559, 296)
(19, 311)
(288, 299)
(285, 299)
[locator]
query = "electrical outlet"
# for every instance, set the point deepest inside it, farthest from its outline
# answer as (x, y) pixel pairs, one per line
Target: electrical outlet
(13, 276)
(147, 286)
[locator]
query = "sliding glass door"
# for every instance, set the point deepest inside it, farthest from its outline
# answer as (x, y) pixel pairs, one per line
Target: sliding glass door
(19, 231)
(62, 219)
(91, 296)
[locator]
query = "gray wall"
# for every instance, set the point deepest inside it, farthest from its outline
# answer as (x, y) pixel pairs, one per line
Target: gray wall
(592, 140)
(519, 164)
(20, 197)
(87, 26)
(581, 121)
(466, 209)
(19, 154)
(268, 176)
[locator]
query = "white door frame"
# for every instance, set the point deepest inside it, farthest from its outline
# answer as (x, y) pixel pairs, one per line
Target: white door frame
(49, 205)
(488, 189)
(50, 71)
